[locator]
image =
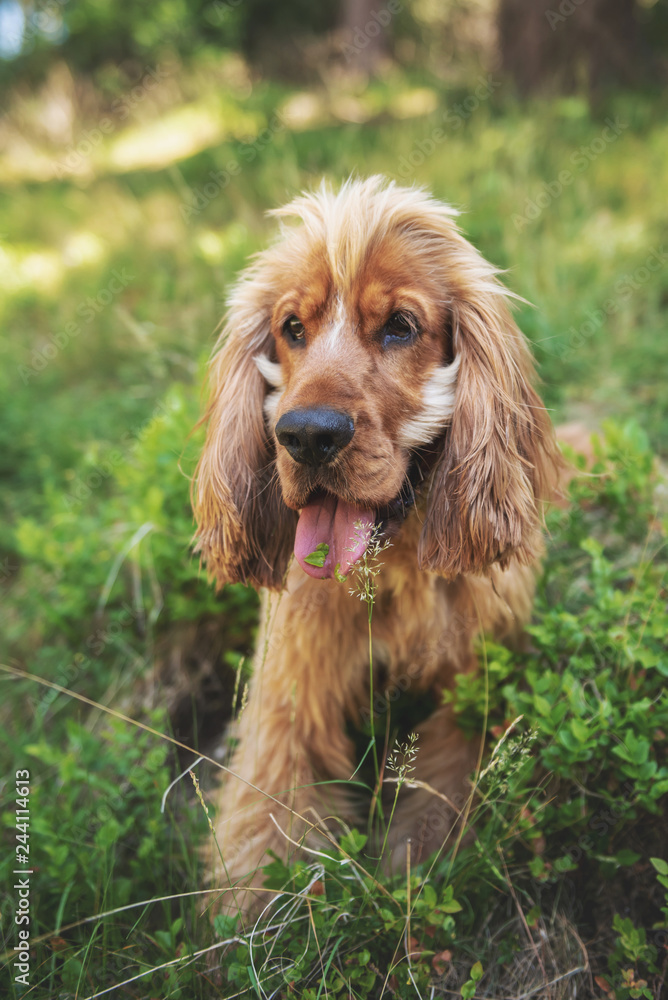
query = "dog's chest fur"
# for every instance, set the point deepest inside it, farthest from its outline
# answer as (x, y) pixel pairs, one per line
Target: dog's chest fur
(422, 626)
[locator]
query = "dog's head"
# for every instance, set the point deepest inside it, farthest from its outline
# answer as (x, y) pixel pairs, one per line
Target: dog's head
(369, 355)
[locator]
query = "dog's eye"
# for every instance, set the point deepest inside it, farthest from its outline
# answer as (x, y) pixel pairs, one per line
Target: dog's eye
(294, 330)
(401, 327)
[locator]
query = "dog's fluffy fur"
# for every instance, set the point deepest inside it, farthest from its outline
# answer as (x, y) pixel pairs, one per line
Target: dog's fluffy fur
(449, 392)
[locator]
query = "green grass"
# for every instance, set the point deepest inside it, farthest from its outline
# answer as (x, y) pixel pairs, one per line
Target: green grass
(98, 582)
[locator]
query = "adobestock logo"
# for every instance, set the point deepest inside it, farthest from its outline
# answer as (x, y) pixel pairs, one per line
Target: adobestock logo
(624, 287)
(453, 118)
(218, 11)
(200, 197)
(373, 27)
(86, 483)
(78, 153)
(580, 159)
(562, 13)
(87, 310)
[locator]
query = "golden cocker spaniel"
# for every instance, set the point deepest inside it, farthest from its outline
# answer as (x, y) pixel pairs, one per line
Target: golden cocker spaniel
(370, 382)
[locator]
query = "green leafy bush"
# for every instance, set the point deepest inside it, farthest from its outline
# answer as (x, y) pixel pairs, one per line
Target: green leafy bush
(109, 562)
(99, 842)
(575, 789)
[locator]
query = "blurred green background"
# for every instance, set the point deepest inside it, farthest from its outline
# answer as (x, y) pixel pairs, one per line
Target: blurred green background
(141, 145)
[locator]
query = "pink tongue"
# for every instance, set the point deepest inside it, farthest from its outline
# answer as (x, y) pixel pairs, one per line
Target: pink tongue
(331, 521)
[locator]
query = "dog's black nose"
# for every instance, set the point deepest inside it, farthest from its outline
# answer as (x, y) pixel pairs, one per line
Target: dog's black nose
(314, 436)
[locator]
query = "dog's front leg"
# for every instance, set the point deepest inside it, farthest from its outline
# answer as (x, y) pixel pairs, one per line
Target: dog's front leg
(291, 737)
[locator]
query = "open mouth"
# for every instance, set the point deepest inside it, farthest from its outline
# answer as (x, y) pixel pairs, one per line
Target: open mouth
(332, 534)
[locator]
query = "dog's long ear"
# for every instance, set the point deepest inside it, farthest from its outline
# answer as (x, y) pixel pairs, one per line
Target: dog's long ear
(500, 456)
(244, 530)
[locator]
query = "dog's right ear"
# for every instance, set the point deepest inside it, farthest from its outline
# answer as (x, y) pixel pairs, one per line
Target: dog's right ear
(245, 533)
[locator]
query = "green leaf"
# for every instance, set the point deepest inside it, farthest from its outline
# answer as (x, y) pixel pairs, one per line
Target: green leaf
(108, 833)
(660, 865)
(476, 972)
(165, 940)
(353, 842)
(253, 978)
(448, 903)
(318, 556)
(565, 864)
(542, 704)
(579, 730)
(429, 895)
(452, 907)
(634, 749)
(537, 866)
(224, 925)
(662, 667)
(626, 857)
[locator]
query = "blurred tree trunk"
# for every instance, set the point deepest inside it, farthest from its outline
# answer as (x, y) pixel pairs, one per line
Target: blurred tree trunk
(567, 44)
(365, 23)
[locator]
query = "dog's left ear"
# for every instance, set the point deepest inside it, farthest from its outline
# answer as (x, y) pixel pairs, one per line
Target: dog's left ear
(244, 530)
(500, 456)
